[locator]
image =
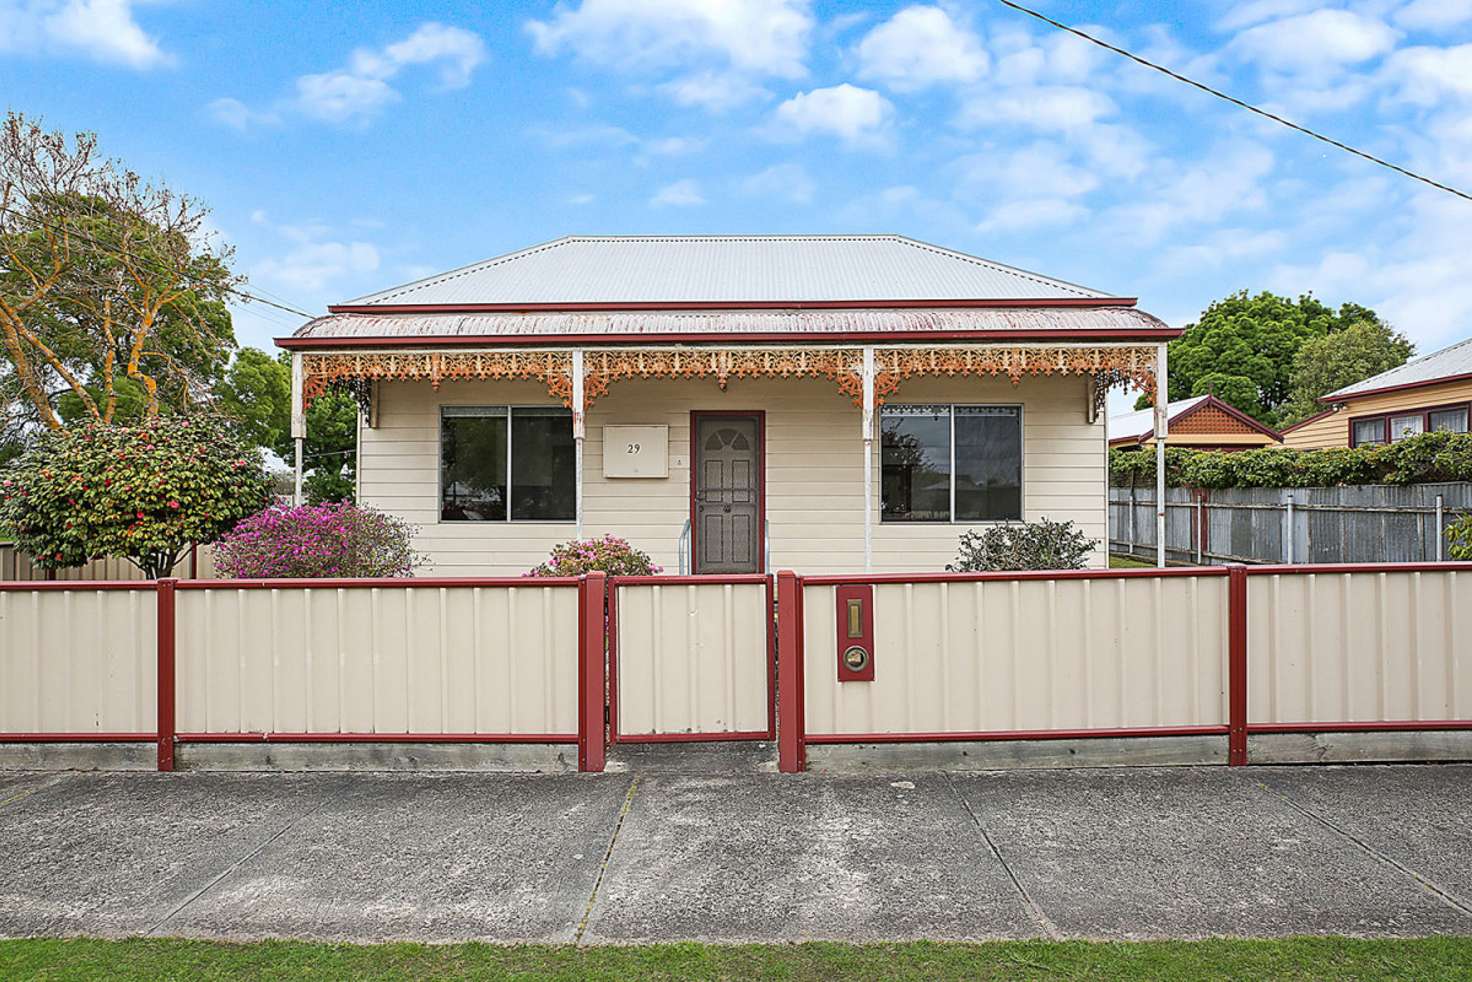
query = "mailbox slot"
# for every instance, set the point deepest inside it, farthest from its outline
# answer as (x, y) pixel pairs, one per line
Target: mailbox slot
(855, 637)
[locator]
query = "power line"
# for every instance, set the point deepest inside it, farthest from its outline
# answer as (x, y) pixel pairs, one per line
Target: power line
(236, 291)
(1237, 102)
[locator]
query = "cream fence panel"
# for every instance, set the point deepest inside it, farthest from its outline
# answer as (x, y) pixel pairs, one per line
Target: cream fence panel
(1027, 654)
(394, 659)
(78, 661)
(693, 658)
(1338, 647)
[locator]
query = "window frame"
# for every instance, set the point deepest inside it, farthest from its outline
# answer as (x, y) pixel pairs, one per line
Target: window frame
(439, 468)
(951, 408)
(1384, 418)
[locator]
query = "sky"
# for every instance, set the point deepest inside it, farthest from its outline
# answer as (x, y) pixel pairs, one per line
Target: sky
(347, 147)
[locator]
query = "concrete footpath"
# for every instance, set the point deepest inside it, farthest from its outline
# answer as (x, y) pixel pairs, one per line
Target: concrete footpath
(650, 855)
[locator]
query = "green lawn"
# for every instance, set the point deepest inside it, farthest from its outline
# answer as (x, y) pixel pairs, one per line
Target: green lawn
(1294, 958)
(1127, 562)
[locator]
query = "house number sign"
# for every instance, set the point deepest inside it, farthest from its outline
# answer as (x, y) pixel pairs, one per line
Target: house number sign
(636, 451)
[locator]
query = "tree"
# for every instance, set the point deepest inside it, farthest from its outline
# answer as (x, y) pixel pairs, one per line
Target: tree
(1242, 349)
(144, 492)
(256, 393)
(112, 300)
(1329, 363)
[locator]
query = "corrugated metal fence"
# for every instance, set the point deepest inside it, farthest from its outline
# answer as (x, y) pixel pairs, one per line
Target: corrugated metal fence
(1355, 524)
(16, 566)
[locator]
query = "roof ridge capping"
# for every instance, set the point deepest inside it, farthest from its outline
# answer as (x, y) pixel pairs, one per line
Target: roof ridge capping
(869, 274)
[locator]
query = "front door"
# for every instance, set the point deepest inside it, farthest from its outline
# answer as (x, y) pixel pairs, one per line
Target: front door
(726, 490)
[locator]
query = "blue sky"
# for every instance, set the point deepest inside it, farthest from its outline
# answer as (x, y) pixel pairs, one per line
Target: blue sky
(346, 147)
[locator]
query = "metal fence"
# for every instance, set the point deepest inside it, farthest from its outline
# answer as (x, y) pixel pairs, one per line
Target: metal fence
(1356, 524)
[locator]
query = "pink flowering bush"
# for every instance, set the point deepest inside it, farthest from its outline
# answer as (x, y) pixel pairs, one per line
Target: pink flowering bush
(336, 538)
(610, 554)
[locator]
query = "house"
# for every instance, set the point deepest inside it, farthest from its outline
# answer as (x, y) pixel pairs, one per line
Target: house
(1199, 423)
(729, 403)
(1426, 394)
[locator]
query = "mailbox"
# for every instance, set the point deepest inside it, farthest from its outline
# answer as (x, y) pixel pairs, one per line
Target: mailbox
(855, 632)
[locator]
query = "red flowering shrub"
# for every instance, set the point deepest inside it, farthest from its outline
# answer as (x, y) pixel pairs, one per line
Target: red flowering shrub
(336, 538)
(610, 554)
(143, 492)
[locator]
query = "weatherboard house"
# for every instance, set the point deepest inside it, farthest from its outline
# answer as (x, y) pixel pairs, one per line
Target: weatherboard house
(729, 404)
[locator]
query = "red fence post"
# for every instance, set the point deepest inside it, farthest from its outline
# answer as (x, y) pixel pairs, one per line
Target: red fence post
(791, 742)
(592, 672)
(165, 711)
(1237, 665)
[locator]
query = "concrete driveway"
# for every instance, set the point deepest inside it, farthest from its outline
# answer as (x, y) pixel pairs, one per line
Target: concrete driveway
(646, 856)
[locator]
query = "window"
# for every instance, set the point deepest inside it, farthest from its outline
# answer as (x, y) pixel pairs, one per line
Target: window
(1410, 425)
(1449, 420)
(502, 463)
(1369, 431)
(950, 463)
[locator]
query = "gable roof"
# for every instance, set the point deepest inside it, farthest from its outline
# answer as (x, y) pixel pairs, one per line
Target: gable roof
(582, 272)
(1449, 364)
(1140, 424)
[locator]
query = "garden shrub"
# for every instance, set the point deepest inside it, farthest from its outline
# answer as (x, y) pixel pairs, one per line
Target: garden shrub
(1025, 545)
(1459, 535)
(333, 539)
(144, 492)
(1430, 457)
(610, 554)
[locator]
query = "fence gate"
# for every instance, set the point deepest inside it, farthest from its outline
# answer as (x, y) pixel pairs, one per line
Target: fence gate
(691, 658)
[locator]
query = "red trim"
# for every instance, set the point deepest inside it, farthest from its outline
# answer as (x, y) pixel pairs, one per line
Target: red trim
(1333, 568)
(760, 415)
(592, 680)
(724, 736)
(864, 594)
(387, 581)
(663, 305)
(1312, 419)
(791, 738)
(1058, 574)
(999, 736)
(78, 737)
(1389, 726)
(1237, 665)
(719, 338)
(377, 738)
(713, 579)
(1210, 401)
(77, 585)
(1386, 416)
(166, 698)
(1351, 396)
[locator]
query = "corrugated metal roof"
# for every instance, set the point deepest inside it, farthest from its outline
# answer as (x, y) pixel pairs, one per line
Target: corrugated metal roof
(1446, 363)
(728, 268)
(1139, 423)
(805, 324)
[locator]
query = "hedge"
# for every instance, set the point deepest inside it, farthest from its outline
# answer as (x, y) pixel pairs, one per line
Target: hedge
(1419, 460)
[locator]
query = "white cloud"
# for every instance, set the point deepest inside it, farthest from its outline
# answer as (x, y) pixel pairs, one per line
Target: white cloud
(681, 194)
(313, 262)
(788, 182)
(1315, 42)
(855, 115)
(921, 46)
(356, 93)
(1424, 76)
(1434, 15)
(1256, 11)
(714, 91)
(673, 146)
(766, 37)
(1222, 182)
(1041, 170)
(1060, 108)
(103, 30)
(1028, 214)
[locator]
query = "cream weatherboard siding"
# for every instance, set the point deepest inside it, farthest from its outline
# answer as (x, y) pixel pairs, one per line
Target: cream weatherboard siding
(1333, 430)
(814, 470)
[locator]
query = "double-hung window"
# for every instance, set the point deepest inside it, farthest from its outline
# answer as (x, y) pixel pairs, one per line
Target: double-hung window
(947, 463)
(506, 463)
(1394, 427)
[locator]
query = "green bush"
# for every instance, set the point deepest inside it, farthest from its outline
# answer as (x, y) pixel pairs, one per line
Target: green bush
(1021, 546)
(1459, 534)
(1423, 459)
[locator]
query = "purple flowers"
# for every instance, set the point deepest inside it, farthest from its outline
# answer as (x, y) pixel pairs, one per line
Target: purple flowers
(335, 539)
(610, 554)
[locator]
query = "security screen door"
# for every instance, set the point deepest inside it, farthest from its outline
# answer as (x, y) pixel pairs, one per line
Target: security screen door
(727, 494)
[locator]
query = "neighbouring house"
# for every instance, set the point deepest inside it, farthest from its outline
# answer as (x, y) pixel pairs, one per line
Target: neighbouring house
(1426, 394)
(1199, 423)
(729, 403)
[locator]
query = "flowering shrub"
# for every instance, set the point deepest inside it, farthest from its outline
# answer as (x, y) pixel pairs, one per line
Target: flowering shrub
(1029, 545)
(330, 539)
(143, 492)
(610, 554)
